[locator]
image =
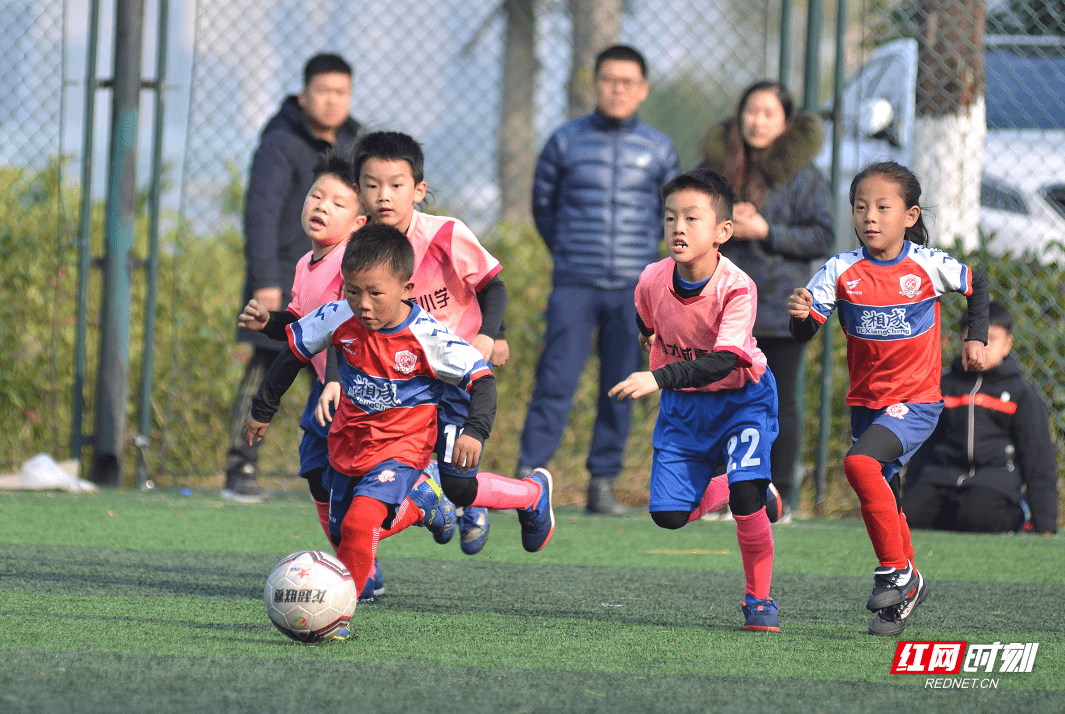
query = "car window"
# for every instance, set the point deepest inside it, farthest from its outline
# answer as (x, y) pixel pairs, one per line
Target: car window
(1000, 197)
(1025, 88)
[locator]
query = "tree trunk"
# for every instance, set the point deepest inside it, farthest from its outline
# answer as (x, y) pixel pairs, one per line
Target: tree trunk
(951, 118)
(595, 27)
(516, 152)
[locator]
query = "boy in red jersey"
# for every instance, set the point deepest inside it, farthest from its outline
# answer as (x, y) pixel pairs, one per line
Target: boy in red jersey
(331, 213)
(394, 361)
(456, 281)
(718, 408)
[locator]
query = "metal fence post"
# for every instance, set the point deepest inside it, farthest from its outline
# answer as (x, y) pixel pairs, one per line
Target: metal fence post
(112, 389)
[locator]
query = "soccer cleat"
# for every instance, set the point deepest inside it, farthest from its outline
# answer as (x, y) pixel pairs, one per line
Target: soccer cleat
(892, 620)
(438, 513)
(473, 528)
(891, 586)
(342, 634)
(761, 615)
(374, 587)
(538, 521)
(774, 507)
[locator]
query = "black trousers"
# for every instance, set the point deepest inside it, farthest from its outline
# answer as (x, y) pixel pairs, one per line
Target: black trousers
(974, 509)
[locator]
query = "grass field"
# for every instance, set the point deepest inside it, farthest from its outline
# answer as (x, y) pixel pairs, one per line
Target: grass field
(131, 602)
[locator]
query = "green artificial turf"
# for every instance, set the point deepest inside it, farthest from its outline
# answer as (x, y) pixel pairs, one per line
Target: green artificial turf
(131, 602)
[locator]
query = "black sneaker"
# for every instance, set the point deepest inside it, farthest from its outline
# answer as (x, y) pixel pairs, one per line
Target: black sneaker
(892, 620)
(891, 586)
(241, 485)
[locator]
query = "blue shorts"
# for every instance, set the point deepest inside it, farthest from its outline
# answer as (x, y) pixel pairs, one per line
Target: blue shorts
(912, 423)
(698, 432)
(388, 482)
(314, 447)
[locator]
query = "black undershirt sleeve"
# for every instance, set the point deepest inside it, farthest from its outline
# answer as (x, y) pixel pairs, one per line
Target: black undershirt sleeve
(278, 379)
(803, 330)
(979, 323)
(492, 300)
(482, 408)
(275, 327)
(699, 372)
(644, 329)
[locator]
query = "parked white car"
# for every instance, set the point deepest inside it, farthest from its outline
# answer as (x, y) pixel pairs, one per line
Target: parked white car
(1022, 192)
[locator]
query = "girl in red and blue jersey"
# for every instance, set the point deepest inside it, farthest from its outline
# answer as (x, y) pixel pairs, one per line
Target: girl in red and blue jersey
(887, 295)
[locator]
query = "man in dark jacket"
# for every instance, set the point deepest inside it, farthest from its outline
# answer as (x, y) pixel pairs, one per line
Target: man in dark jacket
(992, 441)
(307, 124)
(596, 204)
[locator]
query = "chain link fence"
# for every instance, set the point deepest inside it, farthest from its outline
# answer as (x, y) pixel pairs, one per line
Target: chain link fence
(436, 71)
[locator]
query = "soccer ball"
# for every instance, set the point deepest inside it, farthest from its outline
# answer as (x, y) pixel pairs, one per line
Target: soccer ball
(310, 596)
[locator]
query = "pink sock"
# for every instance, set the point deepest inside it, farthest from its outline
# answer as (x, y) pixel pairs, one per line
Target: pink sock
(500, 493)
(715, 497)
(756, 546)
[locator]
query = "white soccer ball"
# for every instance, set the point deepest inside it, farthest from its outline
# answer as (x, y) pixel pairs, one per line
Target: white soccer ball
(310, 596)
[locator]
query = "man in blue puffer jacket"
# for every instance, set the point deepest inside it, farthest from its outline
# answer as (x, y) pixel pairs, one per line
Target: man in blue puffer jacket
(597, 206)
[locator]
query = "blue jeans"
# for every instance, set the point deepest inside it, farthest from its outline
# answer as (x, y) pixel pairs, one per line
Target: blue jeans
(574, 315)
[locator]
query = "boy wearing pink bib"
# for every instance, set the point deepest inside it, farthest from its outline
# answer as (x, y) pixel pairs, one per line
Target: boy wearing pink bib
(718, 408)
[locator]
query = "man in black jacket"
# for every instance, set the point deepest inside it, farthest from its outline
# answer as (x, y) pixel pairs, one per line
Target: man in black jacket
(274, 241)
(991, 448)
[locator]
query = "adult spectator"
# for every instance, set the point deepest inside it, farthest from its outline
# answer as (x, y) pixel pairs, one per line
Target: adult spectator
(274, 241)
(597, 207)
(781, 222)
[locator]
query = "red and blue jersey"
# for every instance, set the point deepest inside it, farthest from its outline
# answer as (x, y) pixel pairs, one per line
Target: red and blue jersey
(889, 311)
(391, 380)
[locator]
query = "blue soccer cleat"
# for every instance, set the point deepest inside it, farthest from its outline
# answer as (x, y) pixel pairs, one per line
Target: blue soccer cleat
(538, 521)
(438, 513)
(473, 528)
(342, 634)
(761, 615)
(374, 587)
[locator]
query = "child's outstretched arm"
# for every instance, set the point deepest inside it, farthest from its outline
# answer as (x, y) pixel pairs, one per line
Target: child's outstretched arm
(257, 318)
(973, 354)
(802, 326)
(478, 426)
(636, 385)
(267, 401)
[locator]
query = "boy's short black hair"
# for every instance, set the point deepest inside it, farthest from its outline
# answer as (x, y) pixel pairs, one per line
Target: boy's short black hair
(377, 244)
(330, 162)
(324, 63)
(621, 52)
(713, 184)
(389, 146)
(998, 316)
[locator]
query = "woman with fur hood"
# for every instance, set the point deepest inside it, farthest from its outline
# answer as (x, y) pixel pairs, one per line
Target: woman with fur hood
(782, 221)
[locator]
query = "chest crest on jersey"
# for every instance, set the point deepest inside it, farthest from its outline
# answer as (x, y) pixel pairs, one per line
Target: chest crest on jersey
(910, 285)
(406, 361)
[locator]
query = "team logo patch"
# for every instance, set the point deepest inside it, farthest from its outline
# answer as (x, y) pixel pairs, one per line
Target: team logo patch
(405, 361)
(897, 410)
(386, 476)
(910, 284)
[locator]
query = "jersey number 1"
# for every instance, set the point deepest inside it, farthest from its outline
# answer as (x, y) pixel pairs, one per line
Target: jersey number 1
(451, 432)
